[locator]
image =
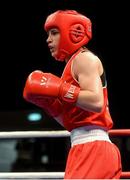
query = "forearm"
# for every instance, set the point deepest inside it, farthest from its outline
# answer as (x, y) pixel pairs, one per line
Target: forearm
(90, 101)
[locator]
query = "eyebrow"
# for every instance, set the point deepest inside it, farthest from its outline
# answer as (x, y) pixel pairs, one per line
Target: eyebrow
(54, 29)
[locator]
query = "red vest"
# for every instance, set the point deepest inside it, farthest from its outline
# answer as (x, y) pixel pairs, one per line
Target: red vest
(73, 117)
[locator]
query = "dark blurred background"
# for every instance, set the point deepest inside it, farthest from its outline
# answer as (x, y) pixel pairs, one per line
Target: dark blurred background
(24, 49)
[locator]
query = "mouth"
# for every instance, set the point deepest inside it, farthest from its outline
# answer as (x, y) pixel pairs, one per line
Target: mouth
(52, 49)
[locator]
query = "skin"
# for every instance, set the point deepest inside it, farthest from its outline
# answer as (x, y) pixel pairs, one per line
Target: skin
(86, 70)
(53, 41)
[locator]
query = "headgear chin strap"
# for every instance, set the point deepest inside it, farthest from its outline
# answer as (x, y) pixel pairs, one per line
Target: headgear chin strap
(75, 31)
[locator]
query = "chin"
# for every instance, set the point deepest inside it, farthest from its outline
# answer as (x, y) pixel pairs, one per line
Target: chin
(53, 54)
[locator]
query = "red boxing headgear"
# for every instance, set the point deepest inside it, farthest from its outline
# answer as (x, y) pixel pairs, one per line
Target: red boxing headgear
(75, 30)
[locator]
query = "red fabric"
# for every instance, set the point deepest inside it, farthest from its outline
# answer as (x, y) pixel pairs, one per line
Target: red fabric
(103, 163)
(74, 117)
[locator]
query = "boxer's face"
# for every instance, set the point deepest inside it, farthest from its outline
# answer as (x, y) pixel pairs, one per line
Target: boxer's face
(53, 40)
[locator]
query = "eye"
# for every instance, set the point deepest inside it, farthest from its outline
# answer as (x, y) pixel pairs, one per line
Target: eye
(55, 32)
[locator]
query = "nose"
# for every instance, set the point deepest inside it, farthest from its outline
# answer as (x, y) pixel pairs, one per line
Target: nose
(49, 39)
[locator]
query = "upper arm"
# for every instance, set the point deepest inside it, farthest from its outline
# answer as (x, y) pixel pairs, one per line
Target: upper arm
(88, 69)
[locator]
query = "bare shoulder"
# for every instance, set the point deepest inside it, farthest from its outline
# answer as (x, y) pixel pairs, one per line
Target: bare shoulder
(87, 60)
(87, 57)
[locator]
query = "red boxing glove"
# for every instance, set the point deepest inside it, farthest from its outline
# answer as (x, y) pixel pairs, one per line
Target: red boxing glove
(49, 85)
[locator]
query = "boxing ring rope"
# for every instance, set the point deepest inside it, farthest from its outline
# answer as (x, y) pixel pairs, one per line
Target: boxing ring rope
(33, 175)
(48, 134)
(34, 134)
(43, 175)
(57, 133)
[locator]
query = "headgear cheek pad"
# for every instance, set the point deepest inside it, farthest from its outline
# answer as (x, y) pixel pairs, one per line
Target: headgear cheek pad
(75, 31)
